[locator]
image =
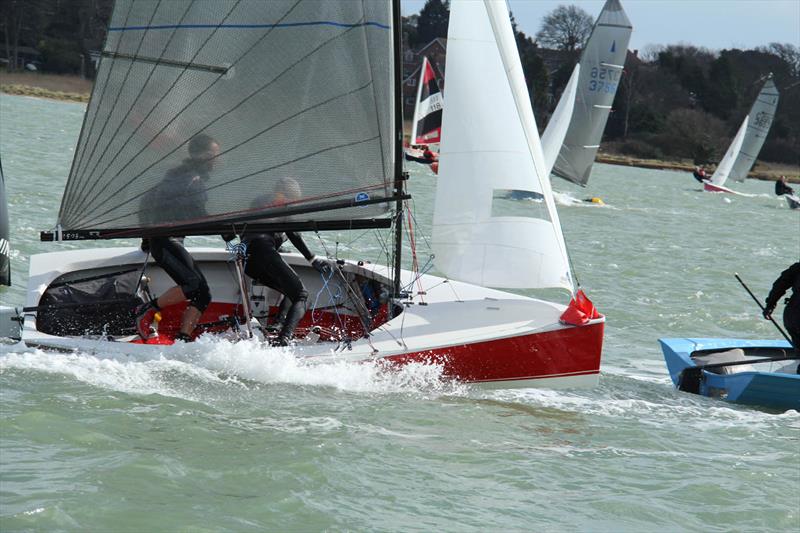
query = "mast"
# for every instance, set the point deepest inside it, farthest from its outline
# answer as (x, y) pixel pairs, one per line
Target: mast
(399, 177)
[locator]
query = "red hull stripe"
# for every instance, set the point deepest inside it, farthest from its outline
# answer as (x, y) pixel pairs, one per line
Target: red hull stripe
(565, 352)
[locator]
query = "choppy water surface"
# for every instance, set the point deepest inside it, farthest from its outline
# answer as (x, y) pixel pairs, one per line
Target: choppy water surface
(245, 439)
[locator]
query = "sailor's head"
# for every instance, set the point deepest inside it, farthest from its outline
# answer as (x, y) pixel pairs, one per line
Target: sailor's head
(287, 190)
(204, 148)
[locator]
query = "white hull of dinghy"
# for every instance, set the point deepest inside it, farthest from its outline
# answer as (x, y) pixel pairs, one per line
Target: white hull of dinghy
(477, 335)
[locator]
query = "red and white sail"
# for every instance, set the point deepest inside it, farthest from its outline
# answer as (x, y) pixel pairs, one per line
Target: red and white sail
(427, 124)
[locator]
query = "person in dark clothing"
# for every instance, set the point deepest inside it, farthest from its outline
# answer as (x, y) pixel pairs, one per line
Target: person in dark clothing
(700, 174)
(183, 193)
(789, 279)
(265, 264)
(781, 187)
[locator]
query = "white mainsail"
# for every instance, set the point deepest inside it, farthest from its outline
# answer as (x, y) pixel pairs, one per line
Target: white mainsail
(602, 61)
(490, 148)
(297, 88)
(726, 165)
(759, 122)
(556, 130)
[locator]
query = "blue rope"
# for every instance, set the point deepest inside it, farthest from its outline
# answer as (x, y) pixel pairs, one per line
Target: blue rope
(236, 250)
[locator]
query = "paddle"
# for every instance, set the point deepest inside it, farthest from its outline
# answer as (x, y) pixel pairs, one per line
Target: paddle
(689, 379)
(763, 310)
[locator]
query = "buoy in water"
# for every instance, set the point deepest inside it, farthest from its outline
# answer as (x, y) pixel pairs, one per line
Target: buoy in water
(595, 200)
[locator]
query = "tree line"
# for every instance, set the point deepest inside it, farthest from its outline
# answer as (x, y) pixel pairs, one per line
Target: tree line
(676, 101)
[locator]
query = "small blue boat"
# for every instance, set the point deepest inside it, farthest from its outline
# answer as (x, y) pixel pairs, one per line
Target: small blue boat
(755, 372)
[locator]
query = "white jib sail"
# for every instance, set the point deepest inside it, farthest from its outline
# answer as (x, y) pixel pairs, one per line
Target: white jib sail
(556, 130)
(726, 165)
(760, 121)
(491, 149)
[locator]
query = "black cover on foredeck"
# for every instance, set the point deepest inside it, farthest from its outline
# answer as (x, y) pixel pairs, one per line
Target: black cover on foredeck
(90, 303)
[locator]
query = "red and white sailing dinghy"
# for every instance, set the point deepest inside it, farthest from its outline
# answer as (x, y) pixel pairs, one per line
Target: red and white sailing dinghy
(82, 299)
(426, 126)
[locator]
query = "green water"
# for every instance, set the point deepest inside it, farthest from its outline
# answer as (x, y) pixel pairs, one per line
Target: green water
(245, 439)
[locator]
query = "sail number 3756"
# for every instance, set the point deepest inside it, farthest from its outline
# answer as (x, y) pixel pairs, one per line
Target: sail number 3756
(603, 80)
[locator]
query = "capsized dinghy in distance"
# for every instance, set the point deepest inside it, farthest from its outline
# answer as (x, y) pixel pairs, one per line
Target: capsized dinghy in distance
(736, 370)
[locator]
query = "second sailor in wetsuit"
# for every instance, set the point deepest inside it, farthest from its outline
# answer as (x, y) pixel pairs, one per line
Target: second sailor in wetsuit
(700, 174)
(789, 279)
(782, 188)
(265, 264)
(182, 194)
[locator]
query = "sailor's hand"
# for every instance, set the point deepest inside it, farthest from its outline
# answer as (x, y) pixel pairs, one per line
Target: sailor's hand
(323, 266)
(768, 312)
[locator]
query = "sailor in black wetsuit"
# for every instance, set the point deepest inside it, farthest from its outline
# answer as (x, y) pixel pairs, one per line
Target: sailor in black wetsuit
(781, 187)
(265, 264)
(789, 279)
(700, 174)
(182, 193)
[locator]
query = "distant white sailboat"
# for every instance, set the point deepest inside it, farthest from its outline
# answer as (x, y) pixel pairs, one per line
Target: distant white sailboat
(744, 149)
(601, 65)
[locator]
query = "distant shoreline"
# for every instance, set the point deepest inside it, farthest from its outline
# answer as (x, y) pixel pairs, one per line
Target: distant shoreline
(50, 86)
(76, 89)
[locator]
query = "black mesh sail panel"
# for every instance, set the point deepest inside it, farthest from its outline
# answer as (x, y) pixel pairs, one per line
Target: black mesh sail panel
(218, 111)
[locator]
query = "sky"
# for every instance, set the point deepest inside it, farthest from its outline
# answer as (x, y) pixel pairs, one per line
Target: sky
(714, 24)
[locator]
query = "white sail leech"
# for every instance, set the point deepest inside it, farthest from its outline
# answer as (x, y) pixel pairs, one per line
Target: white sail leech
(556, 130)
(725, 166)
(490, 146)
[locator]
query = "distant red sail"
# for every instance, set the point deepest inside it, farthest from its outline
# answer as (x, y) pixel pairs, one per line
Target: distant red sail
(428, 111)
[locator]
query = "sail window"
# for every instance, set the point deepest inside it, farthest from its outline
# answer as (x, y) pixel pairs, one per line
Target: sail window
(518, 203)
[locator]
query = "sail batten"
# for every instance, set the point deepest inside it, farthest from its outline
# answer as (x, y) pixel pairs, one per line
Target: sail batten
(237, 99)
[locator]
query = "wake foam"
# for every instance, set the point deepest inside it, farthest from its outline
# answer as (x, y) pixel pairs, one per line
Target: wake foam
(215, 361)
